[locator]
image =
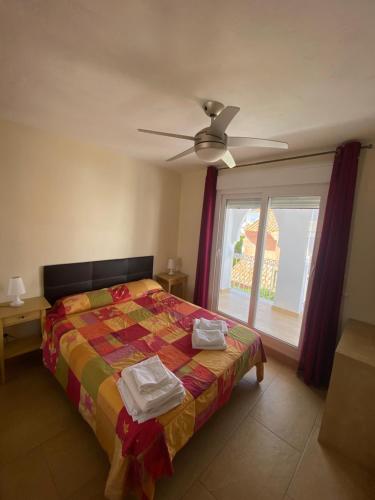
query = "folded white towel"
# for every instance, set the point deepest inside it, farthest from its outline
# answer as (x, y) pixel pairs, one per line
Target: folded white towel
(147, 401)
(211, 324)
(208, 339)
(134, 411)
(149, 375)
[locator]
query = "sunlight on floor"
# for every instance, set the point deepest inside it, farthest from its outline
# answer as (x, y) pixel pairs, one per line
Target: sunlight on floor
(281, 325)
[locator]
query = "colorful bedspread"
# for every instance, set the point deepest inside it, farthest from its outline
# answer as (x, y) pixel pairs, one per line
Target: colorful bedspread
(89, 338)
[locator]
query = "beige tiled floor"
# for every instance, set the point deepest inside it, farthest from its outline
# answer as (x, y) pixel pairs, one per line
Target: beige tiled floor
(283, 326)
(262, 445)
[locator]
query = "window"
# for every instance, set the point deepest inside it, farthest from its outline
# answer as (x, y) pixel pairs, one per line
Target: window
(264, 257)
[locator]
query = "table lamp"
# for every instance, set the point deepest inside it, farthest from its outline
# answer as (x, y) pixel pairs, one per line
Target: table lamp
(171, 266)
(16, 288)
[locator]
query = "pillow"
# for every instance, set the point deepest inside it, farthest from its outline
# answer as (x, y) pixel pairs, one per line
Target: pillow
(99, 298)
(142, 287)
(76, 303)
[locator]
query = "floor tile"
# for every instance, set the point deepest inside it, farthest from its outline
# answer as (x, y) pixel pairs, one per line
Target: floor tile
(26, 419)
(289, 408)
(27, 478)
(47, 449)
(194, 458)
(75, 458)
(327, 475)
(198, 492)
(254, 463)
(93, 490)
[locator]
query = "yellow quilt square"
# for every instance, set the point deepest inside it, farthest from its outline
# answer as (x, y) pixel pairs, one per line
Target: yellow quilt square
(179, 424)
(108, 407)
(77, 321)
(171, 333)
(69, 341)
(205, 399)
(119, 322)
(155, 323)
(127, 306)
(217, 361)
(79, 357)
(127, 361)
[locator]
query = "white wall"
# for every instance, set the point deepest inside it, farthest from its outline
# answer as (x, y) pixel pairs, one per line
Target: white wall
(192, 190)
(359, 290)
(62, 201)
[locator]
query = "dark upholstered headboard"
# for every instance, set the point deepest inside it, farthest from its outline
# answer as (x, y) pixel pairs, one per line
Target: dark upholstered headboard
(67, 279)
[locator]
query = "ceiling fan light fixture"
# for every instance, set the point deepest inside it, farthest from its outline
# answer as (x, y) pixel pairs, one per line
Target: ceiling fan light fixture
(210, 152)
(212, 144)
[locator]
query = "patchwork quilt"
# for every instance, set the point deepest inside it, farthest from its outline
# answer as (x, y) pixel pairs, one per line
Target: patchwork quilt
(89, 338)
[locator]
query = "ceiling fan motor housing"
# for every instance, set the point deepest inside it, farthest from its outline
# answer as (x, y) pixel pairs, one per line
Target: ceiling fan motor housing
(213, 108)
(208, 147)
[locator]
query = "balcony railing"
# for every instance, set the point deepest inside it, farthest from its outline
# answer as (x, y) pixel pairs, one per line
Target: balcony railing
(242, 275)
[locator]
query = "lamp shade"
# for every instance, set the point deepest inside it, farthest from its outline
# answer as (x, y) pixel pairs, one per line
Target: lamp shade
(171, 264)
(16, 286)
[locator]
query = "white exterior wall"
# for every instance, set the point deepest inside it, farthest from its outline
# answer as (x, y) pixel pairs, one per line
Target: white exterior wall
(294, 228)
(233, 223)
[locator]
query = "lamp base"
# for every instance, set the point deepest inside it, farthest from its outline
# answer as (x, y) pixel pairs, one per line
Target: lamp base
(171, 272)
(17, 302)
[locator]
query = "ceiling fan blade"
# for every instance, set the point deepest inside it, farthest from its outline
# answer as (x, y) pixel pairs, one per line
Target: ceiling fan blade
(167, 134)
(228, 159)
(221, 122)
(180, 155)
(237, 142)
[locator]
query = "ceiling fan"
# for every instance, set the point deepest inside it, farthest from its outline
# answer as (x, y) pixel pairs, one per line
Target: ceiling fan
(211, 143)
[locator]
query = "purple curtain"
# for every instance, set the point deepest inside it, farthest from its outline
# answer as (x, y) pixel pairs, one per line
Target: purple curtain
(205, 239)
(322, 316)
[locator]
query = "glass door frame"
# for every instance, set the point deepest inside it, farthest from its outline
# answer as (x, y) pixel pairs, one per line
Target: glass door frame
(263, 194)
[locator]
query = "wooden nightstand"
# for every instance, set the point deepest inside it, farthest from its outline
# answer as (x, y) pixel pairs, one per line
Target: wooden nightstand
(168, 281)
(32, 309)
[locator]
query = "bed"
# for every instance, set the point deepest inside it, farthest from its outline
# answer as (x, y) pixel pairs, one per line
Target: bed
(110, 314)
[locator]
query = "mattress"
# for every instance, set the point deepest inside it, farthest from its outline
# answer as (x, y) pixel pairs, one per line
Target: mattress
(89, 338)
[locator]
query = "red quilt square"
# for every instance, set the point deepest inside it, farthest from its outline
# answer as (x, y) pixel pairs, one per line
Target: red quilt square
(95, 330)
(186, 323)
(157, 308)
(171, 302)
(119, 293)
(102, 345)
(131, 333)
(60, 328)
(196, 378)
(107, 313)
(172, 357)
(73, 388)
(202, 313)
(149, 345)
(184, 345)
(146, 302)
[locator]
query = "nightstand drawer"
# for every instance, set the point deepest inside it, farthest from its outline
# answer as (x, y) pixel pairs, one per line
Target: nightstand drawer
(21, 318)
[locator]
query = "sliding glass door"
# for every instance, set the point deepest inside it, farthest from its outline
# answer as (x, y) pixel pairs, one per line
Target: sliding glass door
(240, 238)
(264, 257)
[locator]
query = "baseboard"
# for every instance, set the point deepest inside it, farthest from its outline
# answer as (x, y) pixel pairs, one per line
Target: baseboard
(285, 311)
(283, 358)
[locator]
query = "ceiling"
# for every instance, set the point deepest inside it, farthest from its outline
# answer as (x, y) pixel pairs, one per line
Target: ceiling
(95, 70)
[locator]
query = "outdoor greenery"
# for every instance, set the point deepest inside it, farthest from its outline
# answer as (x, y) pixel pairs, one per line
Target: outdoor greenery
(238, 248)
(264, 293)
(267, 294)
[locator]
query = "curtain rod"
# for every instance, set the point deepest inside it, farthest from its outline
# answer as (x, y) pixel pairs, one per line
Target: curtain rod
(311, 155)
